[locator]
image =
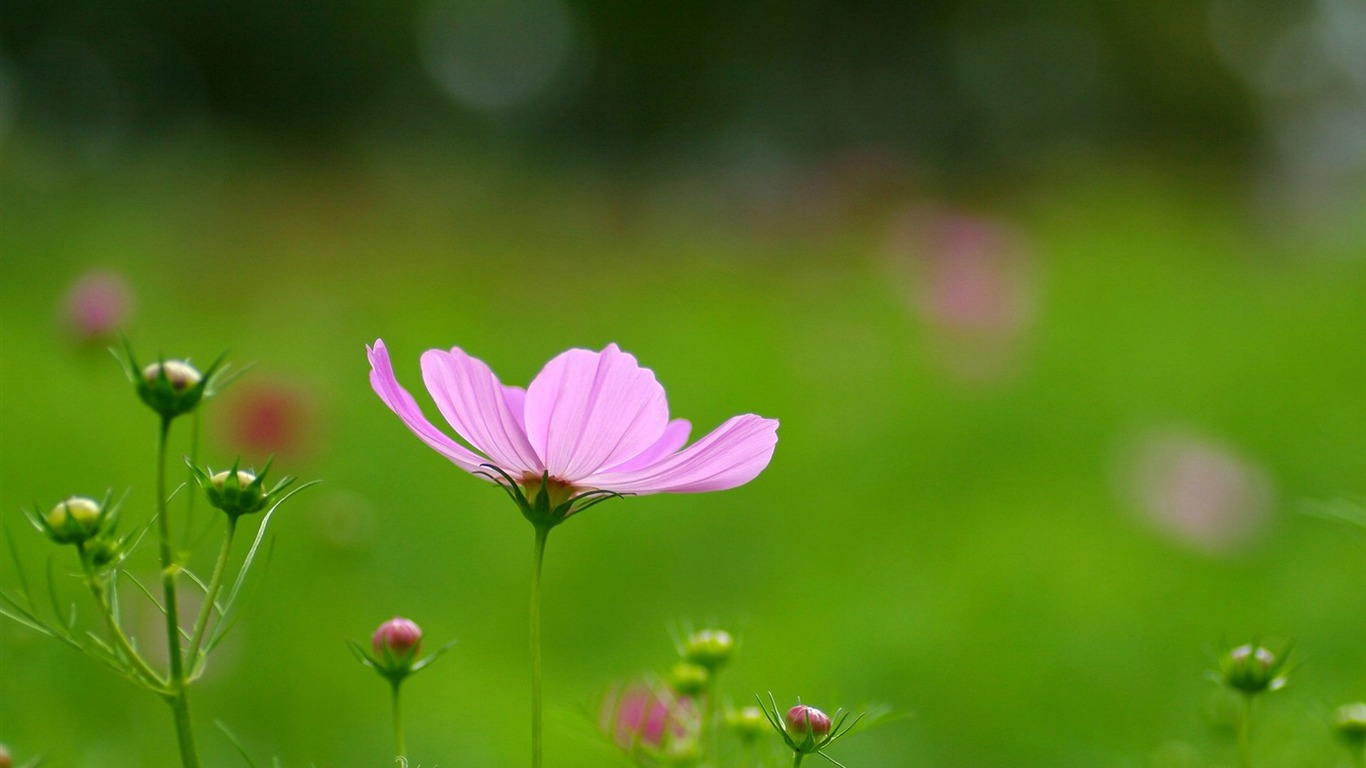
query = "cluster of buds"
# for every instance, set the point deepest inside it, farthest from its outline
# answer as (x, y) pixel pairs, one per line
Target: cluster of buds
(394, 647)
(85, 523)
(239, 491)
(1251, 669)
(702, 654)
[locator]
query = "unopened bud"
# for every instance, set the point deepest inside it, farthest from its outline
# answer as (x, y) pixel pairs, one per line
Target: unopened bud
(1251, 670)
(710, 648)
(74, 521)
(180, 375)
(747, 722)
(803, 722)
(1349, 723)
(398, 638)
(171, 388)
(236, 493)
(687, 679)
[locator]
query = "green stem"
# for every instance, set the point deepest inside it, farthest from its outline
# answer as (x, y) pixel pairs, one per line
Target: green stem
(538, 555)
(176, 681)
(797, 759)
(195, 421)
(201, 624)
(1244, 734)
(144, 671)
(398, 724)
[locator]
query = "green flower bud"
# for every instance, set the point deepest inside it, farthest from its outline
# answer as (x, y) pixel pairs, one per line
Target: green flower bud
(74, 521)
(688, 679)
(171, 388)
(237, 493)
(710, 648)
(1349, 723)
(747, 722)
(1251, 670)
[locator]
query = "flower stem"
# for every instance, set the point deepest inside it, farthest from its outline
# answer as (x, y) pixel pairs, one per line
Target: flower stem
(98, 587)
(538, 555)
(176, 683)
(201, 624)
(398, 724)
(797, 759)
(1244, 737)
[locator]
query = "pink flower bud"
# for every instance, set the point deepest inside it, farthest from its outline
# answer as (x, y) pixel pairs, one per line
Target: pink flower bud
(804, 721)
(398, 637)
(640, 715)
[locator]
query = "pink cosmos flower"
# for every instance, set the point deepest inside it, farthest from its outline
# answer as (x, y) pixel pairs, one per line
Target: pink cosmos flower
(590, 423)
(96, 306)
(640, 715)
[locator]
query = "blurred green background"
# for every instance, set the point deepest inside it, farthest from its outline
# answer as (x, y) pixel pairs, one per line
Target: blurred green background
(1061, 309)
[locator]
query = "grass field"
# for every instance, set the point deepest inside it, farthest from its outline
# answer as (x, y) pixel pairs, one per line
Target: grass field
(949, 536)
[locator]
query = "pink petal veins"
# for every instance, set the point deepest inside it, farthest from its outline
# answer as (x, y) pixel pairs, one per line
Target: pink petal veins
(405, 407)
(731, 455)
(475, 403)
(588, 410)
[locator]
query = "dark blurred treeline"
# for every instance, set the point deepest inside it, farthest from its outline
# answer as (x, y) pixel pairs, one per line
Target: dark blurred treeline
(947, 79)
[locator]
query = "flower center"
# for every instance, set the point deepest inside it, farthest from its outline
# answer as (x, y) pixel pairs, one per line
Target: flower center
(556, 489)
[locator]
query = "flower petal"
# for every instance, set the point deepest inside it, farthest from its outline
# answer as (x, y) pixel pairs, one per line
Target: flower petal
(588, 410)
(675, 437)
(732, 455)
(401, 403)
(475, 403)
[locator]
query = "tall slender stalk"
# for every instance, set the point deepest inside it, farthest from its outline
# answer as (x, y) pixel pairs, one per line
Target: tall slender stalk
(538, 555)
(176, 682)
(211, 597)
(398, 723)
(1244, 735)
(797, 759)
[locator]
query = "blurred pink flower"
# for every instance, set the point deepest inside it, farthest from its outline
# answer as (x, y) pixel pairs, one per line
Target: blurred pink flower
(641, 716)
(1195, 490)
(269, 418)
(97, 306)
(594, 421)
(971, 283)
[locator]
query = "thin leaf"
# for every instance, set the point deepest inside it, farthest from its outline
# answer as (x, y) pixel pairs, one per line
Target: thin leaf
(256, 543)
(32, 622)
(233, 740)
(146, 592)
(18, 566)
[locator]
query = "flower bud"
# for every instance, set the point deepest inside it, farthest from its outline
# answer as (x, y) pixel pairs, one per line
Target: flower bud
(171, 388)
(747, 722)
(1251, 670)
(237, 493)
(74, 521)
(1349, 723)
(398, 639)
(688, 679)
(710, 648)
(641, 716)
(805, 722)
